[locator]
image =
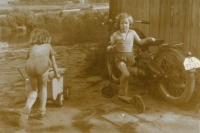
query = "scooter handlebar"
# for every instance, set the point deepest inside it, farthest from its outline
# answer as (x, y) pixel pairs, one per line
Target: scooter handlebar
(142, 21)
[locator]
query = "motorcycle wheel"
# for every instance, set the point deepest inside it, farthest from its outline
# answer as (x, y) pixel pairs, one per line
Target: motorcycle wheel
(177, 84)
(113, 71)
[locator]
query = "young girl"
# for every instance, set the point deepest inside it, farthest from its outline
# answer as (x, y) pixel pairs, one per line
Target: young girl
(40, 59)
(122, 42)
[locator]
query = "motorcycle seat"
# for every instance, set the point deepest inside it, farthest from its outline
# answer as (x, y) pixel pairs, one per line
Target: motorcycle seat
(157, 42)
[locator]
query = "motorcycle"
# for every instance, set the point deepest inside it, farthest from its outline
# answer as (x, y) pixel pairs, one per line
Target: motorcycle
(170, 69)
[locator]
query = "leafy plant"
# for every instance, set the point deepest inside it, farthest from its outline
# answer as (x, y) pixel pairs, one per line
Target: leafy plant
(18, 17)
(84, 27)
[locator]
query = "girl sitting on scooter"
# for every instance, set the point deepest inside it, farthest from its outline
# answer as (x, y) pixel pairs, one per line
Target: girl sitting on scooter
(122, 42)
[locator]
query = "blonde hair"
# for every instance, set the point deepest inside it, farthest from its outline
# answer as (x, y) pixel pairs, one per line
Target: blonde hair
(123, 16)
(39, 36)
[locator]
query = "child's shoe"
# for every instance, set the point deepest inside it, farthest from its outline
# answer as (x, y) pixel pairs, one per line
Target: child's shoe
(23, 119)
(121, 92)
(39, 116)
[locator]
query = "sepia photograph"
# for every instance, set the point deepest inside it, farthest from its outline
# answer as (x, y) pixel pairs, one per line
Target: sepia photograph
(99, 66)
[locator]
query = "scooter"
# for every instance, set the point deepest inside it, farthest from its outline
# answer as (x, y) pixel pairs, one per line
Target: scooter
(111, 90)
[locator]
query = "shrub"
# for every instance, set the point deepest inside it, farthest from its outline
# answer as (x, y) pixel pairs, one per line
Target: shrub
(18, 17)
(51, 23)
(85, 27)
(70, 28)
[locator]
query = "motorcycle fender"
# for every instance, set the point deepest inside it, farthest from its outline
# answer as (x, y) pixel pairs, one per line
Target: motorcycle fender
(176, 50)
(179, 51)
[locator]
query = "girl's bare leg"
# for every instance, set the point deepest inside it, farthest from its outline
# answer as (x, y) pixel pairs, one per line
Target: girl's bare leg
(33, 94)
(23, 120)
(124, 80)
(43, 91)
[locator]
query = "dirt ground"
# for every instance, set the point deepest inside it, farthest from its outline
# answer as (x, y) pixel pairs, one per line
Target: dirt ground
(86, 111)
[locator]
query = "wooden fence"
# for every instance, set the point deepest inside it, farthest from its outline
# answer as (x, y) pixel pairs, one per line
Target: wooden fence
(175, 21)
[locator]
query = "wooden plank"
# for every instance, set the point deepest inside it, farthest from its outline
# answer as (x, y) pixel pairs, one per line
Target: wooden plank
(140, 11)
(134, 8)
(154, 20)
(111, 9)
(177, 21)
(187, 33)
(154, 17)
(165, 19)
(181, 22)
(145, 16)
(135, 13)
(198, 29)
(119, 10)
(194, 25)
(130, 6)
(174, 17)
(140, 14)
(123, 6)
(112, 13)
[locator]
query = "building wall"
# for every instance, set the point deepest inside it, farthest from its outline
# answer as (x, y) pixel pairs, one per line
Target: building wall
(175, 21)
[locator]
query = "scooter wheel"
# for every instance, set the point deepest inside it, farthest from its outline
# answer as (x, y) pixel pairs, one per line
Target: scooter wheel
(60, 99)
(139, 104)
(107, 91)
(66, 92)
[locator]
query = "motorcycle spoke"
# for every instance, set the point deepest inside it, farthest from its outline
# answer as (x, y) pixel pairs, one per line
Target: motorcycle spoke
(168, 85)
(172, 91)
(176, 89)
(164, 64)
(174, 67)
(172, 88)
(178, 81)
(171, 65)
(170, 62)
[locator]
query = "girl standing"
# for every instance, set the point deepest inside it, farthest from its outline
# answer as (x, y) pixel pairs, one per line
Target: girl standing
(40, 59)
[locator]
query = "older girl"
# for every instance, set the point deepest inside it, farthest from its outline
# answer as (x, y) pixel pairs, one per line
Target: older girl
(122, 42)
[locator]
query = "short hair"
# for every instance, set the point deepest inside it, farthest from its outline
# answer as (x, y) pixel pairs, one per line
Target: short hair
(122, 16)
(39, 36)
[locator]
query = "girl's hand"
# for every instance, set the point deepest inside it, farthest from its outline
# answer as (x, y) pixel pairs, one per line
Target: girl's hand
(58, 75)
(108, 48)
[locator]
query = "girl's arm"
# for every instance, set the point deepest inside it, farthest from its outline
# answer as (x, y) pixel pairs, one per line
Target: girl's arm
(54, 65)
(53, 60)
(142, 41)
(112, 42)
